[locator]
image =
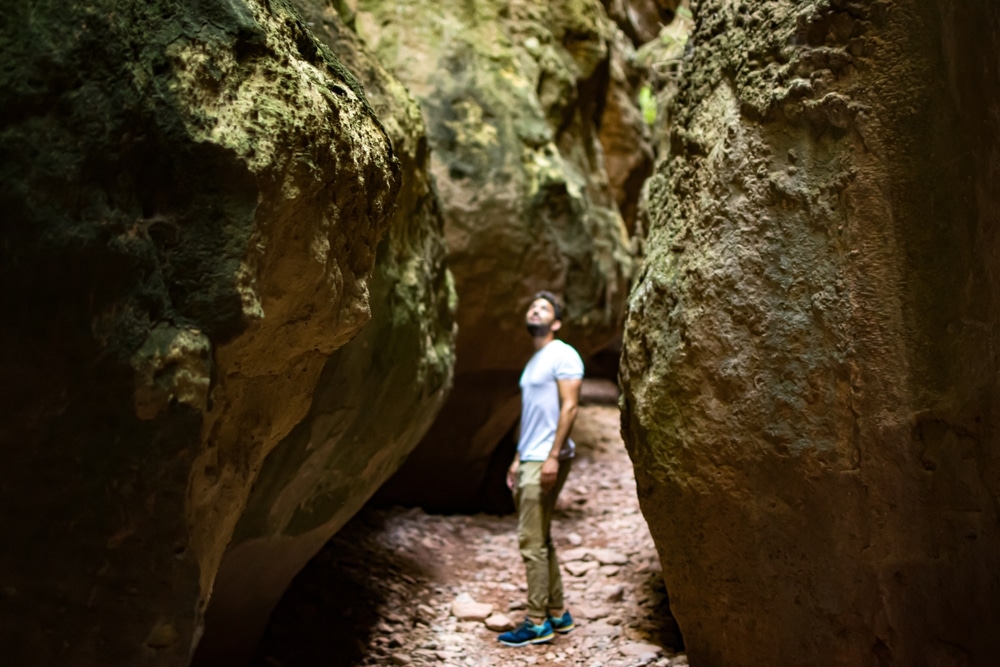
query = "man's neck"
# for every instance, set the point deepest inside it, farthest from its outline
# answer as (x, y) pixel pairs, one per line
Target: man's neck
(542, 341)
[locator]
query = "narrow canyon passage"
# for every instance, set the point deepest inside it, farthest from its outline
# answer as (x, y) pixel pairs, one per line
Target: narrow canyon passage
(382, 591)
(265, 263)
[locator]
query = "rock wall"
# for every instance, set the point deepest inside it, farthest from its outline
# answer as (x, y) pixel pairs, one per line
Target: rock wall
(513, 93)
(809, 366)
(641, 20)
(192, 197)
(625, 136)
(375, 398)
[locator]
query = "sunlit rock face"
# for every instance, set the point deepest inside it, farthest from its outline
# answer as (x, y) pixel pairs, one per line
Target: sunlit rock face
(624, 134)
(375, 398)
(193, 195)
(809, 366)
(513, 94)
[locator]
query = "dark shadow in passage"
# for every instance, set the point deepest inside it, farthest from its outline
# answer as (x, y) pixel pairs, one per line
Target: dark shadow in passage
(660, 623)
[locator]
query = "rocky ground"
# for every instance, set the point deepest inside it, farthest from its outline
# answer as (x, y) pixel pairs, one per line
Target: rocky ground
(387, 588)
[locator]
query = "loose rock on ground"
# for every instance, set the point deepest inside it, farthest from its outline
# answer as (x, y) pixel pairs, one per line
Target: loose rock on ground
(402, 587)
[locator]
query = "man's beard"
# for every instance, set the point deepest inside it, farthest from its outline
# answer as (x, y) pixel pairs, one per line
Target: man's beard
(538, 330)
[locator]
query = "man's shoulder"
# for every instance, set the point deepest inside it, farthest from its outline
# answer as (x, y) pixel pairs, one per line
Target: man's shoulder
(564, 354)
(562, 347)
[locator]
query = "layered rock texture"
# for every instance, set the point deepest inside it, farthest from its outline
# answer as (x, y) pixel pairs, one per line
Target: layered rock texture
(514, 94)
(810, 359)
(375, 397)
(193, 196)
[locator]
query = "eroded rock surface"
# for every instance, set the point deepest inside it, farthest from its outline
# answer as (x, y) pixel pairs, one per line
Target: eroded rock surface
(513, 93)
(624, 134)
(809, 364)
(375, 398)
(192, 200)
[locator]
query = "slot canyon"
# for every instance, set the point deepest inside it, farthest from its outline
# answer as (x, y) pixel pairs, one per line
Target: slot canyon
(259, 355)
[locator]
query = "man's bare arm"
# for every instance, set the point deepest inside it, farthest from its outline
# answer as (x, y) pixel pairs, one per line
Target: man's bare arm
(569, 399)
(516, 463)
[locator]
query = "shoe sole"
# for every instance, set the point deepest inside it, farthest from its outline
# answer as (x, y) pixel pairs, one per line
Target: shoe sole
(536, 640)
(564, 630)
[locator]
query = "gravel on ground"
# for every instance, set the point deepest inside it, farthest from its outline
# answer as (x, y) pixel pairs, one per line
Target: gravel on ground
(402, 587)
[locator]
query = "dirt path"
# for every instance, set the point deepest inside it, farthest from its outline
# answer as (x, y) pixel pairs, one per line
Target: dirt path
(381, 592)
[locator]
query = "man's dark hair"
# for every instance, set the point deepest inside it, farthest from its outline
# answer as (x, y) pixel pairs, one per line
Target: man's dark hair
(551, 298)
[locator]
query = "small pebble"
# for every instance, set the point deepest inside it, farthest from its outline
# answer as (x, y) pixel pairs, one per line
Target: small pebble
(464, 608)
(614, 592)
(499, 622)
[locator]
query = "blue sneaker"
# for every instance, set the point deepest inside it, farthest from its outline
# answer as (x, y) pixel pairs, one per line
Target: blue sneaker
(563, 624)
(528, 633)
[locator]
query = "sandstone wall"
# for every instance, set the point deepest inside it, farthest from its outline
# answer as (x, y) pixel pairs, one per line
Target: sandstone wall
(513, 93)
(625, 136)
(375, 398)
(810, 364)
(192, 197)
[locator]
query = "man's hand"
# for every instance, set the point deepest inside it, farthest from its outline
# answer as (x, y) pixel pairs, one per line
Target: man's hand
(512, 473)
(550, 470)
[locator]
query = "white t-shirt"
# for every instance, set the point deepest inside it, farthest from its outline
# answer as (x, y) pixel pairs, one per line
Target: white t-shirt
(540, 399)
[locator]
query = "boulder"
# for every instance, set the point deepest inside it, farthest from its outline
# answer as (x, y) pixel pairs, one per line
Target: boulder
(464, 608)
(513, 93)
(809, 377)
(193, 195)
(375, 397)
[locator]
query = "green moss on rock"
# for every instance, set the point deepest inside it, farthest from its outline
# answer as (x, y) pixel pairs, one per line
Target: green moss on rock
(193, 195)
(797, 374)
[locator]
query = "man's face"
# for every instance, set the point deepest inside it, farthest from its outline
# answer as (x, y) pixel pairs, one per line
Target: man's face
(541, 318)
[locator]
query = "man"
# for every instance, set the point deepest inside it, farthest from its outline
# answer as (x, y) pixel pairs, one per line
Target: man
(550, 391)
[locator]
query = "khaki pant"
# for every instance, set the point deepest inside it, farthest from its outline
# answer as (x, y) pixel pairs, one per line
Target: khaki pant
(534, 519)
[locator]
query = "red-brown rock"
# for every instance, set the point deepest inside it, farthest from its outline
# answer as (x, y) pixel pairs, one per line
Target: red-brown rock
(192, 194)
(374, 399)
(809, 378)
